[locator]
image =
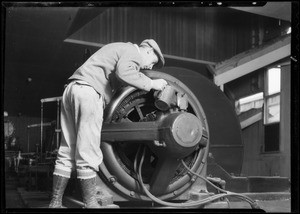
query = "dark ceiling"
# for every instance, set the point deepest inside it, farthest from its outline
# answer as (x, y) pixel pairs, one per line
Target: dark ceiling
(37, 61)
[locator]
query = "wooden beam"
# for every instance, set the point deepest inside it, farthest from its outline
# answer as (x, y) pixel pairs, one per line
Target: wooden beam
(188, 59)
(99, 45)
(81, 42)
(248, 62)
(211, 69)
(249, 121)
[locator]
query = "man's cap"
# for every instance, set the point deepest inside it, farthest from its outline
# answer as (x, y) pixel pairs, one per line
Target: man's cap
(152, 44)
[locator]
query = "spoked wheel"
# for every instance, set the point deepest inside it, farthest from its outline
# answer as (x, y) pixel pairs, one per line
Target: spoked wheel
(167, 136)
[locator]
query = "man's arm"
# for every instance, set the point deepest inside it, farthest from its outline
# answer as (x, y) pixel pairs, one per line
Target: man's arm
(128, 70)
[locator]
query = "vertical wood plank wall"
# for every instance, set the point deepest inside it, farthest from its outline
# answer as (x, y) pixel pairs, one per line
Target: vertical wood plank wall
(285, 121)
(277, 163)
(210, 34)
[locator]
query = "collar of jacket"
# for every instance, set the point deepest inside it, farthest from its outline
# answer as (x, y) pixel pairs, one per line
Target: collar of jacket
(137, 47)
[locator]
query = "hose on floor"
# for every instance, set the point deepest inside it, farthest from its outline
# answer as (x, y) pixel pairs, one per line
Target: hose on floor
(202, 202)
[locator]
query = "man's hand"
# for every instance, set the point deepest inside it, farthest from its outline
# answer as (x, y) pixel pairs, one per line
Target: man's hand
(159, 84)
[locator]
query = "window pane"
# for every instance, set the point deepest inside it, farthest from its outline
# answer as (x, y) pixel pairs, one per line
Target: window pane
(273, 109)
(272, 138)
(273, 81)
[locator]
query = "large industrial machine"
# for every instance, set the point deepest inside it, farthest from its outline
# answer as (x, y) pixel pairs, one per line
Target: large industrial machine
(156, 145)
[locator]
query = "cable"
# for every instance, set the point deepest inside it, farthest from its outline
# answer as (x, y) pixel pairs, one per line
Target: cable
(225, 193)
(252, 203)
(186, 204)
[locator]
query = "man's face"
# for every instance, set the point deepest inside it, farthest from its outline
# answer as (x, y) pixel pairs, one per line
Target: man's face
(149, 59)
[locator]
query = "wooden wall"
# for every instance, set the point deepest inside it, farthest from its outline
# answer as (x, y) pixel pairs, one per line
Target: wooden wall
(285, 121)
(210, 34)
(257, 163)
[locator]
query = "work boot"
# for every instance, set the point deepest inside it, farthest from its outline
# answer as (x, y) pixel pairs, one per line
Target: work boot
(88, 189)
(59, 186)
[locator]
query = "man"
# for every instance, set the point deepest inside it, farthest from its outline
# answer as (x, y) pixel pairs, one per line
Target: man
(83, 101)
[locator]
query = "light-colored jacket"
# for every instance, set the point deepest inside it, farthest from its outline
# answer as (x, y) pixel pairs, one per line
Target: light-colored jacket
(121, 60)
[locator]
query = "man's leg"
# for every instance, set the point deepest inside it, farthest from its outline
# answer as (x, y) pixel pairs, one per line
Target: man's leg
(88, 155)
(66, 153)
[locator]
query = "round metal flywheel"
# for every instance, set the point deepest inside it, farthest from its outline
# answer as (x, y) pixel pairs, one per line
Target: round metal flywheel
(162, 172)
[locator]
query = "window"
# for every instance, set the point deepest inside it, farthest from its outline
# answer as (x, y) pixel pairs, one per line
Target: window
(272, 110)
(272, 96)
(272, 113)
(272, 138)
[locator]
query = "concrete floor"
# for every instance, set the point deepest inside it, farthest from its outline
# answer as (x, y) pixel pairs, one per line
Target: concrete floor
(13, 198)
(273, 206)
(20, 198)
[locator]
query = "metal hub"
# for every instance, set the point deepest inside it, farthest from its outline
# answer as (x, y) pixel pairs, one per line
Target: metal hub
(184, 134)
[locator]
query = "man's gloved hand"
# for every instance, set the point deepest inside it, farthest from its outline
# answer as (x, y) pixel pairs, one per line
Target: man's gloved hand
(158, 84)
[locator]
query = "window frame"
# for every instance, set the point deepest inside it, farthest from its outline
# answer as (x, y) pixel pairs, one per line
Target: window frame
(267, 96)
(267, 124)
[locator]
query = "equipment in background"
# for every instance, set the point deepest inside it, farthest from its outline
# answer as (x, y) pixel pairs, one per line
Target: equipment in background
(35, 168)
(11, 145)
(57, 130)
(9, 130)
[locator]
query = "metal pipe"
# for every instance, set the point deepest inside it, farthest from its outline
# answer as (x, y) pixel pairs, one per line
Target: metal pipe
(41, 151)
(27, 139)
(38, 125)
(57, 125)
(51, 99)
(36, 167)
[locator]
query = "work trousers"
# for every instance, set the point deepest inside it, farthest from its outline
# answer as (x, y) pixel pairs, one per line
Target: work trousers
(81, 123)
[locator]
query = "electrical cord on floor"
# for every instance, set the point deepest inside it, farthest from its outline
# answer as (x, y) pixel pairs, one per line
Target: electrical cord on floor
(210, 199)
(155, 199)
(252, 203)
